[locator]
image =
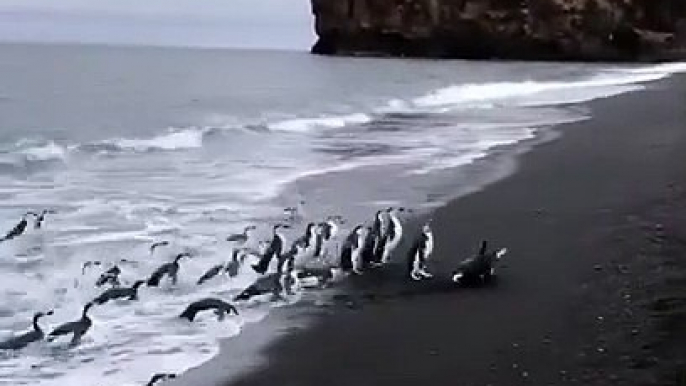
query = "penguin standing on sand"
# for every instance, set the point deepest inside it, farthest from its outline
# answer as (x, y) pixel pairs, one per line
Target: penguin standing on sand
(20, 341)
(373, 246)
(275, 249)
(167, 269)
(351, 252)
(394, 234)
(420, 253)
(220, 307)
(327, 232)
(480, 268)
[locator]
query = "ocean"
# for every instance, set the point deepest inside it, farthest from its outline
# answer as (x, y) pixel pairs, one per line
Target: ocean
(132, 145)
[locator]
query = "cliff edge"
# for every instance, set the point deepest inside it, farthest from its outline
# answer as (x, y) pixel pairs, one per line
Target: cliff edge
(584, 30)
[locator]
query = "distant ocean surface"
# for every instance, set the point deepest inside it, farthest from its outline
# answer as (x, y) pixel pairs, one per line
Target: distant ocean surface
(135, 145)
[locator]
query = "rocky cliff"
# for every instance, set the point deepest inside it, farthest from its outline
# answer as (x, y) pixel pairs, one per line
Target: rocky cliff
(587, 30)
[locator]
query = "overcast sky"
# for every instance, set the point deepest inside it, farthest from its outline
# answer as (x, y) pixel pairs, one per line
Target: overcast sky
(283, 24)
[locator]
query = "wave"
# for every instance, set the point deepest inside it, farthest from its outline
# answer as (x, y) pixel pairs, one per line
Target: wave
(49, 151)
(173, 140)
(518, 92)
(300, 125)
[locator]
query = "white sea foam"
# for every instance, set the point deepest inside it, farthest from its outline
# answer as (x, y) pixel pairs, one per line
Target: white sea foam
(300, 125)
(518, 93)
(46, 152)
(173, 140)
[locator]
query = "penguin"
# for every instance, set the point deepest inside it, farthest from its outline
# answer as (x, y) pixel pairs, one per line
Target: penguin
(479, 268)
(233, 267)
(18, 229)
(211, 273)
(372, 239)
(220, 307)
(130, 293)
(420, 253)
(374, 255)
(77, 328)
(169, 269)
(295, 213)
(20, 341)
(275, 249)
(351, 252)
(274, 283)
(157, 245)
(111, 276)
(88, 265)
(40, 218)
(394, 234)
(241, 238)
(161, 377)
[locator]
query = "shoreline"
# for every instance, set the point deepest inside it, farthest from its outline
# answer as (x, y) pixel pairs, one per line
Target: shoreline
(572, 284)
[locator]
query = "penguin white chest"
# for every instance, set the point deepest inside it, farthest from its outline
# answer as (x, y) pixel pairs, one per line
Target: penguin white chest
(428, 251)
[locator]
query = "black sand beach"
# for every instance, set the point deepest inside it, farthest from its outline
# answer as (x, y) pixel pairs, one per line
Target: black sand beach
(593, 290)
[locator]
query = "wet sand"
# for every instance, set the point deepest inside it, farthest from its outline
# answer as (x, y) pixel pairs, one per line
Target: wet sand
(593, 290)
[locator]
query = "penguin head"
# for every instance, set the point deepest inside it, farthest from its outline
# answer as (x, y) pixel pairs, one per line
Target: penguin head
(181, 256)
(86, 308)
(284, 226)
(426, 229)
(484, 247)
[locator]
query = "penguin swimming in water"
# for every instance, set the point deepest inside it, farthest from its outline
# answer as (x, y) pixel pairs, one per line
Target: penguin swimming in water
(230, 268)
(111, 276)
(40, 218)
(394, 234)
(18, 229)
(233, 267)
(295, 213)
(158, 245)
(157, 378)
(274, 283)
(89, 264)
(20, 341)
(130, 293)
(220, 307)
(168, 269)
(351, 252)
(479, 268)
(241, 238)
(78, 328)
(275, 249)
(420, 253)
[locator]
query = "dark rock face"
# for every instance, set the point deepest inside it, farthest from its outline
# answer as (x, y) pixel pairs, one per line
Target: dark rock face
(586, 30)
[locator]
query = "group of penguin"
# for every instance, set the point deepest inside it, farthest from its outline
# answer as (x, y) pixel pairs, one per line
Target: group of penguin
(280, 269)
